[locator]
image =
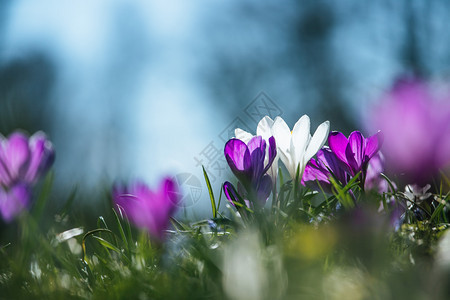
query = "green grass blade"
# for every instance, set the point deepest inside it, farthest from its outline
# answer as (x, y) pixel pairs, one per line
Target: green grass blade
(211, 194)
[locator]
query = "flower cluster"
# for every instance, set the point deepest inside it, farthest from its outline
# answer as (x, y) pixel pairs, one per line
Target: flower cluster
(254, 165)
(23, 160)
(250, 162)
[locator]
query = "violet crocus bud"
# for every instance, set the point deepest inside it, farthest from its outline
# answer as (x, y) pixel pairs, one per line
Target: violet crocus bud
(249, 164)
(148, 209)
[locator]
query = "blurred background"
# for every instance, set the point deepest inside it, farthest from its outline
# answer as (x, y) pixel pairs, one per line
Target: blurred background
(143, 89)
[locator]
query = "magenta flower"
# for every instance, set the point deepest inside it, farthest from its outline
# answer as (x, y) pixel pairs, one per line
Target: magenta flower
(247, 163)
(23, 161)
(416, 126)
(356, 151)
(147, 209)
(318, 171)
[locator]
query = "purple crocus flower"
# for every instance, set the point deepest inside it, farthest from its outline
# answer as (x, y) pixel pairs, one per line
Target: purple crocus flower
(147, 209)
(247, 163)
(356, 151)
(319, 170)
(23, 160)
(416, 126)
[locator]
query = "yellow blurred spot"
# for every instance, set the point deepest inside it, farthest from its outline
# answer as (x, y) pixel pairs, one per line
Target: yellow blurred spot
(312, 243)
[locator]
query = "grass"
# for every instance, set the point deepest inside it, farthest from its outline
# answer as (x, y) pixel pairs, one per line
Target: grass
(303, 245)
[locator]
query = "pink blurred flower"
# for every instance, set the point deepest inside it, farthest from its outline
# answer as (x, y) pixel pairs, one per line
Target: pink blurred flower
(23, 160)
(147, 209)
(416, 127)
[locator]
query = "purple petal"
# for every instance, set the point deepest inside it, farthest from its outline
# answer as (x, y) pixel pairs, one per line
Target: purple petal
(264, 189)
(257, 142)
(16, 155)
(230, 192)
(373, 174)
(315, 174)
(373, 144)
(42, 157)
(338, 143)
(257, 149)
(14, 201)
(4, 174)
(355, 151)
(170, 194)
(329, 159)
(237, 155)
(313, 171)
(272, 153)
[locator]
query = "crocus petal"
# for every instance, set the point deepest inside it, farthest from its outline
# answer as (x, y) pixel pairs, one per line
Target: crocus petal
(4, 174)
(256, 142)
(16, 154)
(42, 156)
(338, 143)
(264, 189)
(355, 150)
(237, 154)
(170, 193)
(314, 171)
(264, 127)
(257, 149)
(257, 162)
(282, 134)
(373, 177)
(230, 192)
(272, 154)
(242, 135)
(327, 158)
(318, 140)
(300, 138)
(373, 144)
(14, 201)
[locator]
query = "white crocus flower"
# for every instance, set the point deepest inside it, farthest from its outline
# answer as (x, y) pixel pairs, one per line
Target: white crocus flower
(264, 129)
(296, 148)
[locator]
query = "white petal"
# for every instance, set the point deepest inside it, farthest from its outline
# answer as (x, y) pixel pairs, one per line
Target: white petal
(286, 159)
(243, 135)
(282, 135)
(300, 138)
(318, 140)
(264, 128)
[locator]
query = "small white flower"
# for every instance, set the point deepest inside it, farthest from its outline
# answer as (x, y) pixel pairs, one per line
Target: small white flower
(415, 194)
